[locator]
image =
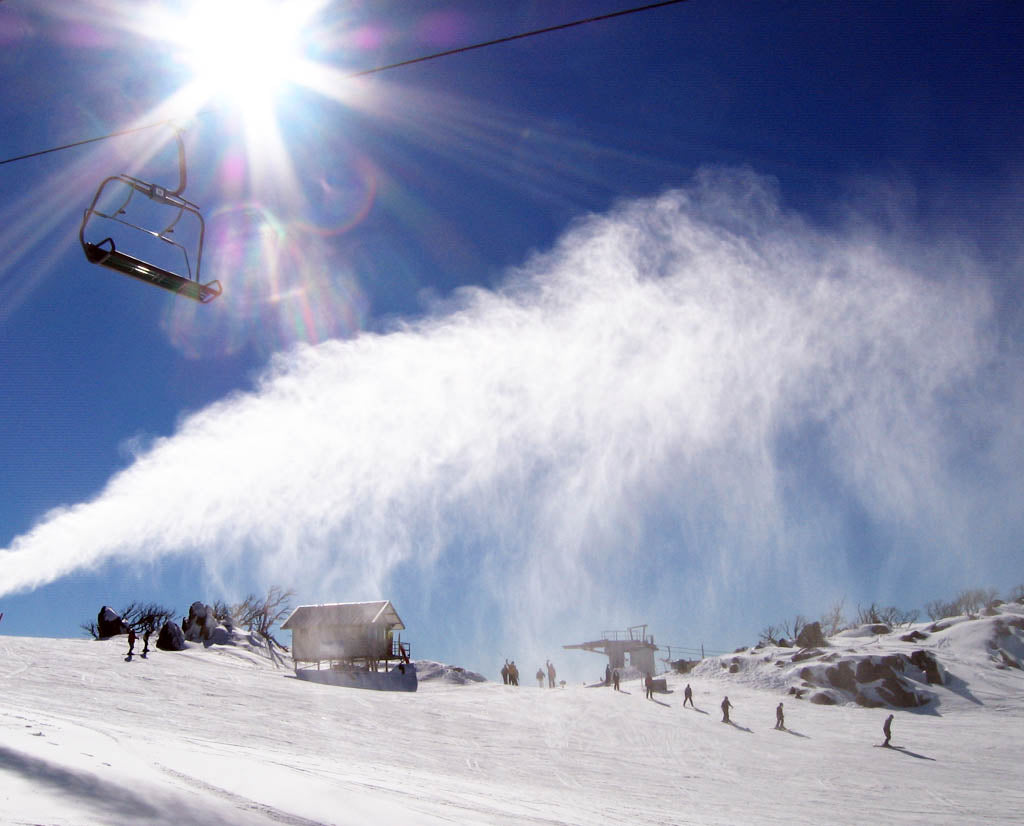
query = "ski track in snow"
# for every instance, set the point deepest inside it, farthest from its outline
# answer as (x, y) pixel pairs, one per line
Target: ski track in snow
(220, 736)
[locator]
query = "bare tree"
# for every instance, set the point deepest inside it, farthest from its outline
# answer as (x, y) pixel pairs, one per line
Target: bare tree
(833, 620)
(142, 616)
(972, 600)
(885, 615)
(937, 609)
(146, 616)
(792, 631)
(261, 614)
(869, 616)
(222, 613)
(770, 635)
(1016, 594)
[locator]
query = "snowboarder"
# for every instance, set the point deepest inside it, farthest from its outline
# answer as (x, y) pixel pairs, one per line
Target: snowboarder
(504, 673)
(688, 696)
(726, 705)
(551, 675)
(649, 686)
(887, 729)
(780, 720)
(615, 679)
(131, 643)
(540, 678)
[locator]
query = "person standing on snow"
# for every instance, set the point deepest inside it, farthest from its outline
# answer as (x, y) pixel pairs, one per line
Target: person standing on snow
(131, 642)
(615, 679)
(504, 673)
(607, 671)
(540, 678)
(780, 720)
(688, 696)
(513, 673)
(726, 705)
(887, 729)
(649, 686)
(551, 675)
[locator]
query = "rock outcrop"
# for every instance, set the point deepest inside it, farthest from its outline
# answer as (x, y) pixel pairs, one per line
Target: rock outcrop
(171, 637)
(200, 624)
(109, 623)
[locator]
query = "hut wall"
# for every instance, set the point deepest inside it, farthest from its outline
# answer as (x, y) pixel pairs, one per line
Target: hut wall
(340, 642)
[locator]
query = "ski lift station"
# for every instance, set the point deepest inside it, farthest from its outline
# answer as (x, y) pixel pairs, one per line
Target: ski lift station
(351, 644)
(615, 645)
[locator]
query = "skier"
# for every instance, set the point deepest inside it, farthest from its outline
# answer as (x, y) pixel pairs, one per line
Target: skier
(540, 678)
(615, 679)
(551, 675)
(131, 643)
(726, 705)
(887, 729)
(145, 641)
(780, 720)
(688, 695)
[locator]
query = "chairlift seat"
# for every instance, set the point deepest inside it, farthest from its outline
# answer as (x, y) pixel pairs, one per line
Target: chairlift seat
(106, 254)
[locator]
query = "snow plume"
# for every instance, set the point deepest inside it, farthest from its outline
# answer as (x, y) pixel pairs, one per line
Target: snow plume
(692, 398)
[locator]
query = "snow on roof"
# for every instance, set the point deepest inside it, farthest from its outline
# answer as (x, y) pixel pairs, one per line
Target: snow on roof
(345, 613)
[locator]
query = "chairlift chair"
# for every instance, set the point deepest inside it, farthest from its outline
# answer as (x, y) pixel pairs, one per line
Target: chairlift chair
(185, 282)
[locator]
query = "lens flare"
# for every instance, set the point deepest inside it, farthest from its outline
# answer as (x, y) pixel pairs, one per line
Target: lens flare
(287, 288)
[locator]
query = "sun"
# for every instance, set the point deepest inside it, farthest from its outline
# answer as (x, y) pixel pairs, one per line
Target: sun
(242, 53)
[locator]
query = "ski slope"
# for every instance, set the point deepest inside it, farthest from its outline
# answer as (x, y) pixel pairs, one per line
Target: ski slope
(220, 735)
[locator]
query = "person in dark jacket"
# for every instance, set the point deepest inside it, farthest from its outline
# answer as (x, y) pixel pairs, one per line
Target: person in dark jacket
(726, 705)
(615, 679)
(780, 720)
(688, 695)
(887, 729)
(131, 642)
(649, 686)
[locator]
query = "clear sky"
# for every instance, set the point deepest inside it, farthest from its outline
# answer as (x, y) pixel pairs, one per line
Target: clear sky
(701, 317)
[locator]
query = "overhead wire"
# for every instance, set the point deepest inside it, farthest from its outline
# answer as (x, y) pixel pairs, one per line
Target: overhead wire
(375, 70)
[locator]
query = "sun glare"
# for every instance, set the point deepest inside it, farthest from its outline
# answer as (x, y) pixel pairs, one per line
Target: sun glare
(243, 52)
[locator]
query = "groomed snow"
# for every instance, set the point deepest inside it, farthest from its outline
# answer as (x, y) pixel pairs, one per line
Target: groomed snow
(220, 736)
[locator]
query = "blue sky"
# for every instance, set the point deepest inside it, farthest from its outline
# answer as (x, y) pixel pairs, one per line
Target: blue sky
(701, 317)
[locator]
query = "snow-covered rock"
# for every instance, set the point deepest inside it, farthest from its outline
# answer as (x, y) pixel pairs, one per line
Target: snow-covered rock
(200, 623)
(428, 670)
(876, 666)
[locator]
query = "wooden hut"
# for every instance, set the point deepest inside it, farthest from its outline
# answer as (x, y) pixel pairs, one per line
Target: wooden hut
(347, 635)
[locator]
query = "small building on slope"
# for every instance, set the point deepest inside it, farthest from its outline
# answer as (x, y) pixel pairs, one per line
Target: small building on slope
(351, 643)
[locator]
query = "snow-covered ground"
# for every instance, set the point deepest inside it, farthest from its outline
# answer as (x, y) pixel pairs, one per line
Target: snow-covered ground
(220, 735)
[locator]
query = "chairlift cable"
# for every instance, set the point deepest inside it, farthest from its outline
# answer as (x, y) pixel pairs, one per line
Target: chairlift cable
(376, 70)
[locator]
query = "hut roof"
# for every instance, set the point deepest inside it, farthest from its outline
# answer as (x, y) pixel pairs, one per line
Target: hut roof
(346, 613)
